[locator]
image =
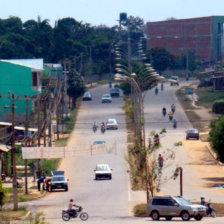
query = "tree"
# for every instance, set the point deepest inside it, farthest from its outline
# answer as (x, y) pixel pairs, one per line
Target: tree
(76, 86)
(160, 58)
(216, 137)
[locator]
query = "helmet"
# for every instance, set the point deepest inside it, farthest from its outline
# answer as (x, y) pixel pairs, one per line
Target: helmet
(71, 200)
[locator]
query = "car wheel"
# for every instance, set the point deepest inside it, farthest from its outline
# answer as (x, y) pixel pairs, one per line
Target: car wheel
(168, 218)
(96, 178)
(110, 177)
(66, 188)
(198, 218)
(155, 215)
(185, 216)
(197, 138)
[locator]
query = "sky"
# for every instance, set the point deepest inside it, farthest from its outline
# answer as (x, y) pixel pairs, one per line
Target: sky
(106, 12)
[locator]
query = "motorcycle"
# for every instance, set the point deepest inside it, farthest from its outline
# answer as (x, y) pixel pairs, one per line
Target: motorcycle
(170, 118)
(174, 124)
(67, 215)
(103, 129)
(156, 140)
(164, 112)
(210, 210)
(94, 128)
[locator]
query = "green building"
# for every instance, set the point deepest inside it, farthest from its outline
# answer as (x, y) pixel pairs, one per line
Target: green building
(21, 77)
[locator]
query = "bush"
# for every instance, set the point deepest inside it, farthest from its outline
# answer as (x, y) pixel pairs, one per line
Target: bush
(49, 165)
(218, 107)
(3, 194)
(216, 137)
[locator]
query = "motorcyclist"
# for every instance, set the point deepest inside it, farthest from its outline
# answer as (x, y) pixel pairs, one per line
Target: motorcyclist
(173, 108)
(156, 90)
(174, 123)
(95, 126)
(164, 111)
(103, 127)
(110, 84)
(71, 205)
(170, 114)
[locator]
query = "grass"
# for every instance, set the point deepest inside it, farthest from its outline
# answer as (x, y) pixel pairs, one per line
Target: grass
(7, 215)
(186, 104)
(206, 96)
(61, 142)
(70, 121)
(140, 209)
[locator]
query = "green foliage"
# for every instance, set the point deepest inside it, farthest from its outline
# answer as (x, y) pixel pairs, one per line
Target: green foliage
(3, 194)
(38, 219)
(176, 144)
(218, 107)
(216, 137)
(126, 88)
(49, 165)
(76, 85)
(160, 59)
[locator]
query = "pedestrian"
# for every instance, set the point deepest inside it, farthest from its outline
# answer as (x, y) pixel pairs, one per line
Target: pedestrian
(39, 181)
(160, 161)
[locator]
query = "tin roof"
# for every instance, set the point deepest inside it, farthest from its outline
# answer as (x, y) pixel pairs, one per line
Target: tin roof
(30, 63)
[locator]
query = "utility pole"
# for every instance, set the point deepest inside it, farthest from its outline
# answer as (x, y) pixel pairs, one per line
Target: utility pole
(15, 198)
(26, 139)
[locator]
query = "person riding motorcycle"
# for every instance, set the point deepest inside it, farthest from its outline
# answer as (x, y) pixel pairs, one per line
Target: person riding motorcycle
(71, 205)
(174, 123)
(173, 108)
(103, 127)
(170, 114)
(164, 111)
(162, 86)
(95, 126)
(156, 90)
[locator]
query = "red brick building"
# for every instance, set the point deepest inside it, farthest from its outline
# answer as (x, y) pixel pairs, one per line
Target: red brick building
(204, 36)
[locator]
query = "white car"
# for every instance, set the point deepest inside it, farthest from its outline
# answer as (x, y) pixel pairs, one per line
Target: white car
(111, 124)
(103, 171)
(106, 98)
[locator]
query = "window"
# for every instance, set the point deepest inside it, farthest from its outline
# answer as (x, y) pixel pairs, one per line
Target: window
(34, 79)
(161, 201)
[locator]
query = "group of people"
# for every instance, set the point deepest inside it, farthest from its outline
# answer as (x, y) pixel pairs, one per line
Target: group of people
(102, 126)
(45, 183)
(170, 114)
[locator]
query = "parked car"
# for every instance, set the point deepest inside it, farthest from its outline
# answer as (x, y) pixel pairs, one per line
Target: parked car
(115, 92)
(106, 98)
(111, 124)
(58, 181)
(87, 96)
(103, 171)
(174, 206)
(192, 133)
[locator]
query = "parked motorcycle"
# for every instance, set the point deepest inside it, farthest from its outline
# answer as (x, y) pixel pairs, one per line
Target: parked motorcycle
(67, 215)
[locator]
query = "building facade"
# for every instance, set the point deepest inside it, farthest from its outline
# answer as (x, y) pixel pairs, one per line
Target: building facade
(203, 36)
(20, 77)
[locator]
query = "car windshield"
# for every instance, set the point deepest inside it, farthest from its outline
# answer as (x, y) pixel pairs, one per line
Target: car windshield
(192, 131)
(106, 96)
(87, 94)
(102, 168)
(182, 201)
(58, 179)
(111, 122)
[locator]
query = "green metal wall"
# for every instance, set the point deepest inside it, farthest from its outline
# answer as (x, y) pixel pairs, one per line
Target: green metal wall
(18, 80)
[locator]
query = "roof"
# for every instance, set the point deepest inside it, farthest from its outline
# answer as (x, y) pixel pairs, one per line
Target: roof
(4, 148)
(30, 63)
(18, 127)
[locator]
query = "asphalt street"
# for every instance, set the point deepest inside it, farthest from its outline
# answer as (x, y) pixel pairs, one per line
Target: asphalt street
(108, 201)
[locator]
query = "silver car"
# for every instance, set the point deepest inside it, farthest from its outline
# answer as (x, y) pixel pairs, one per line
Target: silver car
(111, 124)
(174, 206)
(106, 98)
(103, 171)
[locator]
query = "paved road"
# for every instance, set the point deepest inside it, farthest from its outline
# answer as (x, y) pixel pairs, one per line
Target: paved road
(107, 201)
